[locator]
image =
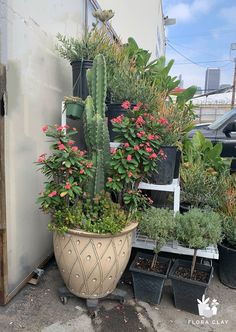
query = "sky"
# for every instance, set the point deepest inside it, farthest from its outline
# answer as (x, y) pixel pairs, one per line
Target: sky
(202, 35)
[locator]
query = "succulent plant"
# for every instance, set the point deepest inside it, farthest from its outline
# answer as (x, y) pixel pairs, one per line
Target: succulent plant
(95, 125)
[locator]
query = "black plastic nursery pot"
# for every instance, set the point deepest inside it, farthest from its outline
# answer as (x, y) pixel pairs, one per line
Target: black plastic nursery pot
(74, 111)
(166, 167)
(113, 111)
(148, 285)
(227, 265)
(80, 85)
(184, 207)
(177, 163)
(186, 291)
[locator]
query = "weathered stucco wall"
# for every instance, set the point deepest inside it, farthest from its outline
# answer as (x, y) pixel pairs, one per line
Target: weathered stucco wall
(37, 80)
(140, 19)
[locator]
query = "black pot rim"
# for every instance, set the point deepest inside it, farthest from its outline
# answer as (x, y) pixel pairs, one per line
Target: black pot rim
(179, 262)
(119, 104)
(226, 247)
(150, 273)
(82, 60)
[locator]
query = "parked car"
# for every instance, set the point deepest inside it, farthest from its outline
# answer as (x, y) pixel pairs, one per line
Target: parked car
(222, 130)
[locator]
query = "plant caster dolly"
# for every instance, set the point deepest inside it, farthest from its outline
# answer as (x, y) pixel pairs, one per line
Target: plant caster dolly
(64, 294)
(92, 304)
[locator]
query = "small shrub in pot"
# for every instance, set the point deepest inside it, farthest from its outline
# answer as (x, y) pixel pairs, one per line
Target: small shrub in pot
(196, 229)
(149, 272)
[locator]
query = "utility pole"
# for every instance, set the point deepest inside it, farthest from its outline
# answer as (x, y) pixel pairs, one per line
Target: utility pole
(234, 85)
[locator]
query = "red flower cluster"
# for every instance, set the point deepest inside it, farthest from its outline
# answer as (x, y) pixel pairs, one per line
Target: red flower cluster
(140, 121)
(67, 186)
(153, 156)
(162, 154)
(163, 121)
(119, 119)
(137, 107)
(52, 194)
(141, 134)
(41, 158)
(126, 105)
(89, 165)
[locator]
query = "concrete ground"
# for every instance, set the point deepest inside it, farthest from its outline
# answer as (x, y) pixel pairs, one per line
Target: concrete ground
(38, 308)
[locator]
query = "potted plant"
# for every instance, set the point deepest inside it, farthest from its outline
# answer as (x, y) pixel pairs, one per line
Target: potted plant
(196, 229)
(92, 234)
(124, 85)
(149, 272)
(203, 173)
(74, 107)
(137, 155)
(227, 248)
(81, 52)
(201, 187)
(177, 116)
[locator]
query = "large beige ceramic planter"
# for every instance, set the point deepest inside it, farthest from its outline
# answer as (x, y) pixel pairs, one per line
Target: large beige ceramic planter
(92, 264)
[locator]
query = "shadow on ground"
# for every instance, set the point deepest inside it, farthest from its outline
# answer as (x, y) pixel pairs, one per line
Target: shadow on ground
(38, 308)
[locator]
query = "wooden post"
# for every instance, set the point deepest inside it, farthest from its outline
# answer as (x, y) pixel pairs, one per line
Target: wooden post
(234, 85)
(3, 234)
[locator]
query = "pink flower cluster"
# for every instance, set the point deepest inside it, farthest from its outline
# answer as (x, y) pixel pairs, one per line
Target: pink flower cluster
(118, 119)
(52, 194)
(67, 186)
(140, 121)
(163, 121)
(41, 158)
(137, 107)
(141, 134)
(126, 105)
(58, 128)
(162, 154)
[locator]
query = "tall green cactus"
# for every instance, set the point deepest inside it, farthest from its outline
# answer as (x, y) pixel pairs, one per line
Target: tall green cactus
(95, 125)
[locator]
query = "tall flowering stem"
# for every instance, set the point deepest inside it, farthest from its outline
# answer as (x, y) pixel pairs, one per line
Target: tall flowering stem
(136, 158)
(66, 168)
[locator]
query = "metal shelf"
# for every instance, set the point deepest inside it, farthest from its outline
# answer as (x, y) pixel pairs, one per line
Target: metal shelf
(143, 242)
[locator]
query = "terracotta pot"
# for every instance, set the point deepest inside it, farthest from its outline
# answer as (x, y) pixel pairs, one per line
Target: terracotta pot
(91, 264)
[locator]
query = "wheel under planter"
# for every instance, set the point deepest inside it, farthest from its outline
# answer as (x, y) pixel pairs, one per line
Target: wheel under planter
(148, 285)
(188, 291)
(91, 264)
(227, 265)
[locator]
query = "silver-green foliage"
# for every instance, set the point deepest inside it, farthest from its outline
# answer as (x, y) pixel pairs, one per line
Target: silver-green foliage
(159, 225)
(95, 125)
(229, 230)
(198, 228)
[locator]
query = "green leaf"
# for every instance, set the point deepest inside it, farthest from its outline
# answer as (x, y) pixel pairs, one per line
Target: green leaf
(67, 164)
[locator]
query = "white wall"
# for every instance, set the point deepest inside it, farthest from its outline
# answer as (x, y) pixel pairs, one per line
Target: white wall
(140, 19)
(37, 80)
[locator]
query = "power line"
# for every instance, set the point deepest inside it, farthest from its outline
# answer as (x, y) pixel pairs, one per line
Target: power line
(190, 48)
(185, 57)
(210, 61)
(194, 62)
